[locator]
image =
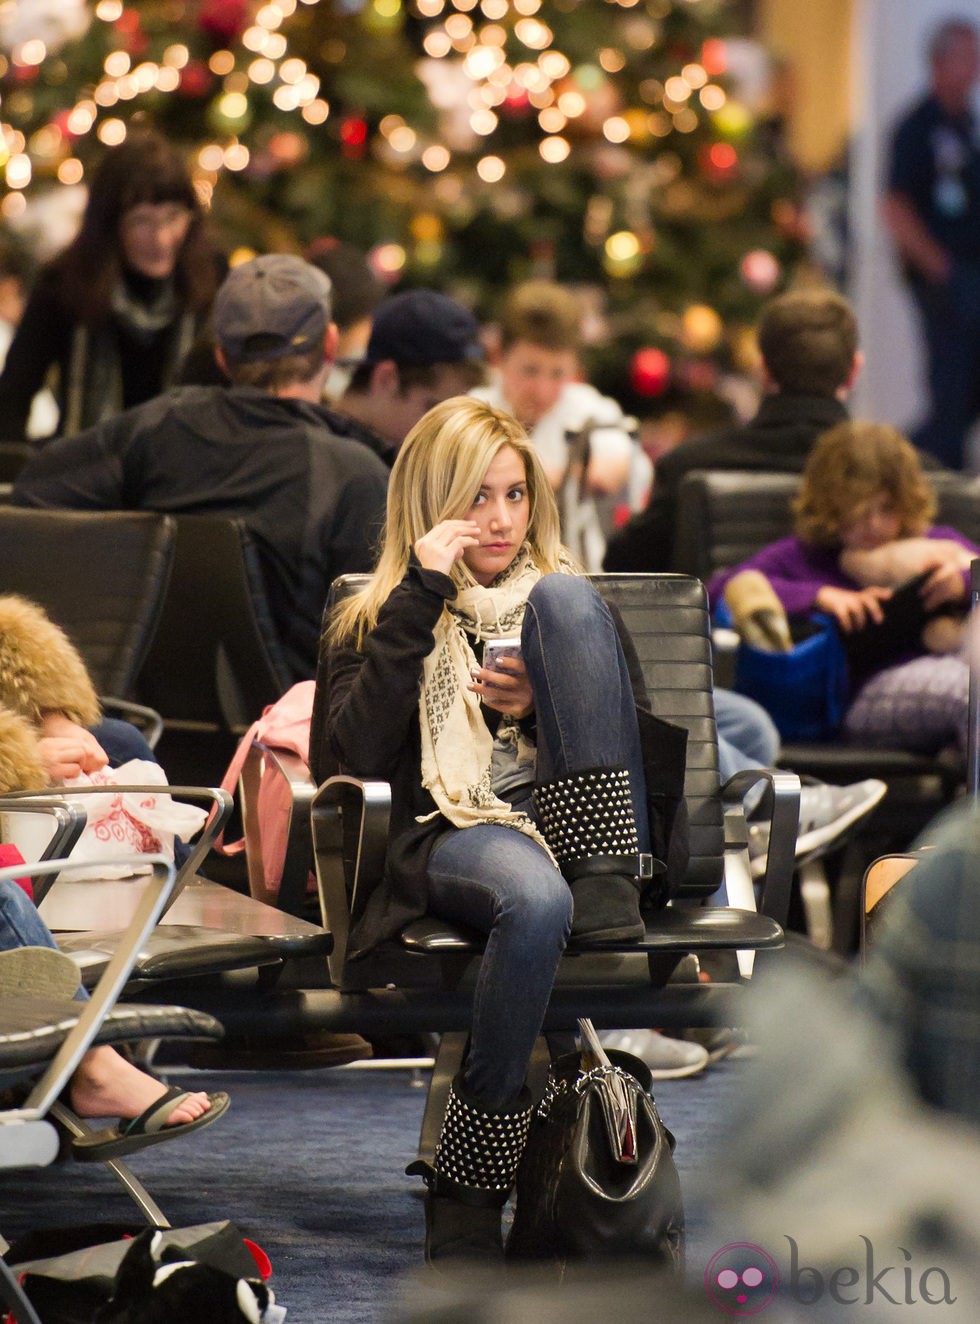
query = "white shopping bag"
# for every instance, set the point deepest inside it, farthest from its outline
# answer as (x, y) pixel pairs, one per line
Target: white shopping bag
(129, 823)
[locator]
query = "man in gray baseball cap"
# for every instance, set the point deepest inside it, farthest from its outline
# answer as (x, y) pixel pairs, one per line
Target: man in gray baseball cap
(272, 308)
(263, 448)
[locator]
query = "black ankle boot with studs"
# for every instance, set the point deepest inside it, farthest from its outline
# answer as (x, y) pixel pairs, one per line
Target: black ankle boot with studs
(474, 1169)
(587, 820)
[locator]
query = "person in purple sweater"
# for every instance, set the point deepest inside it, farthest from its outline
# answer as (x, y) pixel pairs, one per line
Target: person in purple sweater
(863, 527)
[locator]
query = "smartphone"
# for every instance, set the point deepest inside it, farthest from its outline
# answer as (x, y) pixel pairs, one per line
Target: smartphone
(495, 648)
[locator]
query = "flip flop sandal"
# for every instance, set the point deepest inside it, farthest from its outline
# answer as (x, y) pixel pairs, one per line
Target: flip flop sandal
(41, 971)
(150, 1128)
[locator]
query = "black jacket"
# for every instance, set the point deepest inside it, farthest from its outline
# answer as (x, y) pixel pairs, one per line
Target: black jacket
(344, 425)
(87, 366)
(313, 502)
(779, 439)
(365, 721)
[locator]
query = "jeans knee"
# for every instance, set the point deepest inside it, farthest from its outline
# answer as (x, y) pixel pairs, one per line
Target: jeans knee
(545, 909)
(564, 602)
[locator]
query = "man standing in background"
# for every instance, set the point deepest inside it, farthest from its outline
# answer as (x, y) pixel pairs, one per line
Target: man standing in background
(932, 208)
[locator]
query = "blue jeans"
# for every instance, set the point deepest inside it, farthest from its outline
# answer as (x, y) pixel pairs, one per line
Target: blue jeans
(747, 738)
(20, 923)
(747, 735)
(583, 699)
(122, 741)
(499, 881)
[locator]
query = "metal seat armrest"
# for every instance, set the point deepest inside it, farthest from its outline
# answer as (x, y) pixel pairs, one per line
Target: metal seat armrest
(291, 893)
(149, 908)
(147, 720)
(350, 819)
(784, 822)
(220, 800)
(371, 800)
(291, 766)
(68, 820)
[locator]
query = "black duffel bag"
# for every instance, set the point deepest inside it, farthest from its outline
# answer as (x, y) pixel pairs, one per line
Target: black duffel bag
(106, 1272)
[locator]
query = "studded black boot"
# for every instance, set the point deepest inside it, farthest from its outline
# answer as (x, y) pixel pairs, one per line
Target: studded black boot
(468, 1183)
(587, 820)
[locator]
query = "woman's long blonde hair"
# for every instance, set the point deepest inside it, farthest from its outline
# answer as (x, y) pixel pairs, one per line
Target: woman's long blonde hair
(437, 476)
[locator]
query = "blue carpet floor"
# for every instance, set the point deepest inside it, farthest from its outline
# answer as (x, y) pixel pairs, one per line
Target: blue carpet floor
(311, 1166)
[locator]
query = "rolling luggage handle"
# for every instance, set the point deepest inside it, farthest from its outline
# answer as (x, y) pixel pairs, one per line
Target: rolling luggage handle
(973, 720)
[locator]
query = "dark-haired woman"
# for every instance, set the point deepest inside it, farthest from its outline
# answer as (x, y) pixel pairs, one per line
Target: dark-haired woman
(116, 312)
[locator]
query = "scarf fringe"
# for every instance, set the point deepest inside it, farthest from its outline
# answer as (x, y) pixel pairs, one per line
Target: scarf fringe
(457, 747)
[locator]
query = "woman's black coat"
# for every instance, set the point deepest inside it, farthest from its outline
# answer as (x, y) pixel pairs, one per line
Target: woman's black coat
(366, 722)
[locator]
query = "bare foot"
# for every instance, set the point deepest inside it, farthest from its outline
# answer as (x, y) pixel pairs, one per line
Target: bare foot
(107, 1085)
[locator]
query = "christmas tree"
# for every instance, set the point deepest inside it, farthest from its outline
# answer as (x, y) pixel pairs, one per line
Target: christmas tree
(466, 145)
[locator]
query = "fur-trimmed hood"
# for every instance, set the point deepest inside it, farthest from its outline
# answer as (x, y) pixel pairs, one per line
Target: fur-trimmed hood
(39, 666)
(20, 767)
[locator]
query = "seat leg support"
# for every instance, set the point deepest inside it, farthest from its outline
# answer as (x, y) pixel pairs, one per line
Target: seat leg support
(134, 1188)
(449, 1059)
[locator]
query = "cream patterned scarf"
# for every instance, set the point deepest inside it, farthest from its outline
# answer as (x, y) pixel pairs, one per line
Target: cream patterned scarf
(457, 747)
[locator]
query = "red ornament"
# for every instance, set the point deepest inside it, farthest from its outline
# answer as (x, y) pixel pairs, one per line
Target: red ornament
(353, 137)
(714, 57)
(131, 36)
(649, 371)
(718, 161)
(222, 19)
(195, 79)
(516, 102)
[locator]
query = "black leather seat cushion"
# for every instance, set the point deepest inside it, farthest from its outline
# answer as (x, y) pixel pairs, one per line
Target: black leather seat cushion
(33, 1029)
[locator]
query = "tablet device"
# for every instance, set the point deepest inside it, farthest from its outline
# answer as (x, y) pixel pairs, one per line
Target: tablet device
(893, 639)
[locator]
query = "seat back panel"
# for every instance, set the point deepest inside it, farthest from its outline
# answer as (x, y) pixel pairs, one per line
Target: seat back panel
(216, 659)
(667, 618)
(726, 516)
(100, 576)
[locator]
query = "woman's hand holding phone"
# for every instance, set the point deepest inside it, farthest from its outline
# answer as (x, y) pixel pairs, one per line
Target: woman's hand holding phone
(505, 687)
(443, 546)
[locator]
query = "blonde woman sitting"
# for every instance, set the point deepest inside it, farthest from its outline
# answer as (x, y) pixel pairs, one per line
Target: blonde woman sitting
(519, 792)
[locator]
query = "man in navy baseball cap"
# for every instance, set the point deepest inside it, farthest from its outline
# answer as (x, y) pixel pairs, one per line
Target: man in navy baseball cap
(424, 347)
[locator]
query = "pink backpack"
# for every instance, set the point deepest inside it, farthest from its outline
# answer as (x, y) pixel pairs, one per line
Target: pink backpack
(283, 725)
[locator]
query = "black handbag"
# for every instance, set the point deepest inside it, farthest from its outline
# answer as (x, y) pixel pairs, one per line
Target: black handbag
(598, 1178)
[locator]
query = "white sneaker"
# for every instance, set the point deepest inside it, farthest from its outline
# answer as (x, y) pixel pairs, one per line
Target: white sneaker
(668, 1059)
(826, 812)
